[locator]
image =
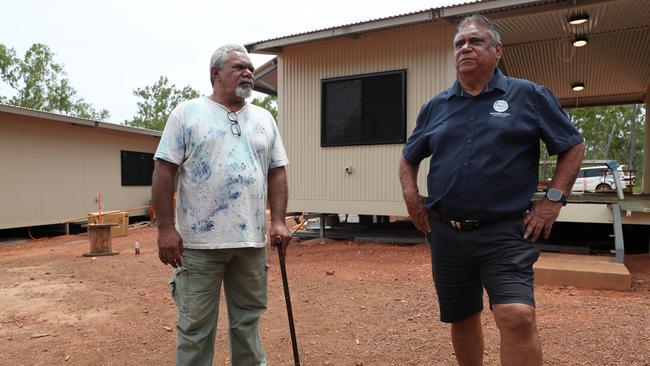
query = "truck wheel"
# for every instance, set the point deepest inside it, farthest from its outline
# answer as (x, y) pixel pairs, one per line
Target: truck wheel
(603, 187)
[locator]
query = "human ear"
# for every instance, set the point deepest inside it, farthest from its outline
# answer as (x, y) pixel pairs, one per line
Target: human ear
(214, 73)
(499, 49)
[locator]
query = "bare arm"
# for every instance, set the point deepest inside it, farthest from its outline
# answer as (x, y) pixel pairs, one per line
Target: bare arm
(408, 176)
(170, 243)
(544, 213)
(278, 193)
(568, 166)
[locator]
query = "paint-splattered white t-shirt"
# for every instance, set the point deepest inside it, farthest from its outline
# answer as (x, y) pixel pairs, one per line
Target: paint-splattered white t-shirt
(222, 182)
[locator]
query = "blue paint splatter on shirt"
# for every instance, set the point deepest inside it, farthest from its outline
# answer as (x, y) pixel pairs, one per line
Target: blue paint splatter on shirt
(203, 226)
(258, 214)
(237, 166)
(189, 141)
(224, 202)
(259, 152)
(259, 130)
(201, 172)
(185, 206)
(180, 143)
(240, 181)
(221, 206)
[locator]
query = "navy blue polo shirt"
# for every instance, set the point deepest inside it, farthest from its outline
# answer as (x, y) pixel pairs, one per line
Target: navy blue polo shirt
(484, 149)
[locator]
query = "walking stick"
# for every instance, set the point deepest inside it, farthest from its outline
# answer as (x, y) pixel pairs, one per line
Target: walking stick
(287, 300)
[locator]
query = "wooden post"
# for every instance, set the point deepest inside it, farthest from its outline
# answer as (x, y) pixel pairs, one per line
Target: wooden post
(99, 236)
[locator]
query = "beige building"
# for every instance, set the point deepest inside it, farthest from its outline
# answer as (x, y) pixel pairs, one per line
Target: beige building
(53, 167)
(332, 77)
(317, 176)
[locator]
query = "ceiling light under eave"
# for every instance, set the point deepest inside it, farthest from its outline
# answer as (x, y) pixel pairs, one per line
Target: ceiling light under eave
(580, 41)
(578, 87)
(578, 19)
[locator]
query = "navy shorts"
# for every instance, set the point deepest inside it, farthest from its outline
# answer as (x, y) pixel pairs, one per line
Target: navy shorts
(494, 256)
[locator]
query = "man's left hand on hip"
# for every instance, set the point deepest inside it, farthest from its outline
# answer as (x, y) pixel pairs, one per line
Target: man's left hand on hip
(541, 218)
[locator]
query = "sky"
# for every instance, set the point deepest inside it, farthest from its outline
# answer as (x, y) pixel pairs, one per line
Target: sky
(110, 48)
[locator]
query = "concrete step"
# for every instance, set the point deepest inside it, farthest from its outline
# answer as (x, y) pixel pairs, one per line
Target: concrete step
(583, 271)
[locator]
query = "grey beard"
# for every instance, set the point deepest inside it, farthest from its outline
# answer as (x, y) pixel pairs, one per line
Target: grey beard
(243, 92)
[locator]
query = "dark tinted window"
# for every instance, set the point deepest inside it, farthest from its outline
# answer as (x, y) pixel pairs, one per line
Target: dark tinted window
(137, 168)
(364, 109)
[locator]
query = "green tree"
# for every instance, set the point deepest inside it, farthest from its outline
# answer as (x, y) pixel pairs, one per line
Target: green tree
(610, 133)
(158, 102)
(40, 83)
(613, 133)
(270, 103)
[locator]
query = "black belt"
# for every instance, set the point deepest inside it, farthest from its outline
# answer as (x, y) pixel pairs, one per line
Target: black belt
(465, 224)
(458, 225)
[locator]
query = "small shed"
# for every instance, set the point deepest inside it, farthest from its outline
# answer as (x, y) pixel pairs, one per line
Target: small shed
(54, 167)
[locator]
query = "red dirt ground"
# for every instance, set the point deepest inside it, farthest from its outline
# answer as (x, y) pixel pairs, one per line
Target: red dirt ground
(353, 303)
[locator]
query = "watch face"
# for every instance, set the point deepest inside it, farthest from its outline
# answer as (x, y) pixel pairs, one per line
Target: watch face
(554, 194)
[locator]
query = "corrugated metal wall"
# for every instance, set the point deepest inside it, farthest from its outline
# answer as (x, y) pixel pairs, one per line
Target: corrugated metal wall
(317, 180)
(52, 171)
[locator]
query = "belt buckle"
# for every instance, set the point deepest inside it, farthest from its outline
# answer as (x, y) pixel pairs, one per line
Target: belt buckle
(464, 224)
(471, 224)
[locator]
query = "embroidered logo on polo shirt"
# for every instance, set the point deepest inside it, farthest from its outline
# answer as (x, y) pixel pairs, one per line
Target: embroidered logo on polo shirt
(500, 106)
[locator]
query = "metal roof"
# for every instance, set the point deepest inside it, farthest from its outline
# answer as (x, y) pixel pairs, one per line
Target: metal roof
(449, 12)
(537, 38)
(274, 45)
(266, 77)
(614, 65)
(79, 121)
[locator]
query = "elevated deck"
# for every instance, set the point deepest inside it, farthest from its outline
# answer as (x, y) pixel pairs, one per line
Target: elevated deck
(597, 208)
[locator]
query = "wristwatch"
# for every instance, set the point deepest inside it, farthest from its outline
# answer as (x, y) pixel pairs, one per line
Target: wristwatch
(555, 195)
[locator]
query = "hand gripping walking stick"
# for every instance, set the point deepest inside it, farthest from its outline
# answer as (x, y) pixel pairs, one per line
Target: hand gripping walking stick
(287, 300)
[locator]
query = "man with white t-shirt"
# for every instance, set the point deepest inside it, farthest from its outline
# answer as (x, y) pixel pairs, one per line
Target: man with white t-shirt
(230, 156)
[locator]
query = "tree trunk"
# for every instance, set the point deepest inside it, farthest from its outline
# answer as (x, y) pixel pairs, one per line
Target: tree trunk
(609, 141)
(631, 160)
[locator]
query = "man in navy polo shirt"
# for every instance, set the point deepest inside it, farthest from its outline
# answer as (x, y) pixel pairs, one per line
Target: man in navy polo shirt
(482, 136)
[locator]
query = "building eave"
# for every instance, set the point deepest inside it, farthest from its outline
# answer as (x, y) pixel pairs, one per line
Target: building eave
(77, 121)
(274, 46)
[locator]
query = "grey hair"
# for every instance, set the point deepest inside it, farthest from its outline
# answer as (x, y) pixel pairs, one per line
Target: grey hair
(219, 56)
(480, 19)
